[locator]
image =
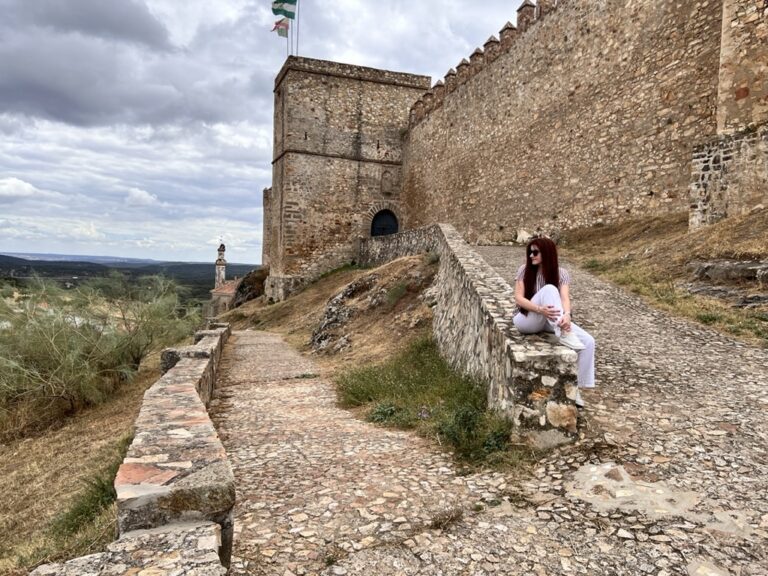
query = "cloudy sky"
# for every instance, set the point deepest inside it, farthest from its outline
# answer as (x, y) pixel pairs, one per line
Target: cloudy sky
(143, 128)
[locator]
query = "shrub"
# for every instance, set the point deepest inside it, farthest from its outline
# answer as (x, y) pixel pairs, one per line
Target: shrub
(418, 390)
(395, 293)
(63, 351)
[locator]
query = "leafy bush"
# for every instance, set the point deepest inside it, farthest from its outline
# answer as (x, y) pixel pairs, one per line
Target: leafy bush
(61, 351)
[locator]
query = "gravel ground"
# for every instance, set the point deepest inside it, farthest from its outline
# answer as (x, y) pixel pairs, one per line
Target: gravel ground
(668, 477)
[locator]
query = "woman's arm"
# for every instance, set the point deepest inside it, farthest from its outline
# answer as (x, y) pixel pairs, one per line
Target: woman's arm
(549, 311)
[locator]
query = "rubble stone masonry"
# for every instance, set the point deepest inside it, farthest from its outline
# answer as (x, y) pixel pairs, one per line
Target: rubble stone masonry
(589, 113)
(729, 176)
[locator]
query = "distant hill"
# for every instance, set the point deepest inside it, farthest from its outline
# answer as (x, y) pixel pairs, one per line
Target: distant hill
(12, 261)
(106, 260)
(196, 276)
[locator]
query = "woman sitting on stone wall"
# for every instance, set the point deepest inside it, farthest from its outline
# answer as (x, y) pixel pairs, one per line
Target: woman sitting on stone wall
(542, 294)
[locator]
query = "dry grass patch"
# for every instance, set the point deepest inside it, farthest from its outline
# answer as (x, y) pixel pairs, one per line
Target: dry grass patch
(650, 257)
(41, 476)
(376, 332)
(664, 242)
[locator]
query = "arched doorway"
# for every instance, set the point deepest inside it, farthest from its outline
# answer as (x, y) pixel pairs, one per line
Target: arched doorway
(384, 223)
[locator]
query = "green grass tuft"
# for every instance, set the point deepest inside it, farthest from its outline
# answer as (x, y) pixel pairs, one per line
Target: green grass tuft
(418, 390)
(395, 294)
(344, 268)
(98, 494)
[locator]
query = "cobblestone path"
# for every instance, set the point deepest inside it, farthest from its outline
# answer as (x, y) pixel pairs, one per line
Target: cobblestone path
(669, 479)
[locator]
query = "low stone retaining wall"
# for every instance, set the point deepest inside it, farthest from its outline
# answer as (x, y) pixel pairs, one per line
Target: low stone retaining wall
(531, 380)
(175, 488)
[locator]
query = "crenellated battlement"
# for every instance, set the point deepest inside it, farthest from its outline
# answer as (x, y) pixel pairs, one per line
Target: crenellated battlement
(528, 14)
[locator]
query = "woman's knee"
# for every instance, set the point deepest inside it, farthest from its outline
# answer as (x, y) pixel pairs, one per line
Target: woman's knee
(529, 324)
(550, 289)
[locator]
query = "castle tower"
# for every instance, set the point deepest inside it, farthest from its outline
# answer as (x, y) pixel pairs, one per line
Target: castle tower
(337, 165)
(221, 267)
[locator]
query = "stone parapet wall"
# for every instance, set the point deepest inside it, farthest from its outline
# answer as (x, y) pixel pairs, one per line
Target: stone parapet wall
(175, 487)
(530, 380)
(383, 249)
(729, 176)
(588, 114)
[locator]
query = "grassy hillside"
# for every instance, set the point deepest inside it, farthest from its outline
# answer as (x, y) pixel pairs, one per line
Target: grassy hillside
(657, 257)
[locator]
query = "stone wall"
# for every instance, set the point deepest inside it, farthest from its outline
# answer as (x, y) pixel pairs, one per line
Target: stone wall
(587, 114)
(337, 161)
(266, 230)
(380, 250)
(743, 91)
(175, 487)
(729, 176)
(531, 380)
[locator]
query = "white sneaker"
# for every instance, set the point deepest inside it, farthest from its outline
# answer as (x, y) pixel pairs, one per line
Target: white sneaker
(569, 339)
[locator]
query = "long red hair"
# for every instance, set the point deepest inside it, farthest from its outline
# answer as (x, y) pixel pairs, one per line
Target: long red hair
(550, 268)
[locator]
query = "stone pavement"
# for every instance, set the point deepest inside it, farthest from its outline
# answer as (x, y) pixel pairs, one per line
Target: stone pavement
(669, 479)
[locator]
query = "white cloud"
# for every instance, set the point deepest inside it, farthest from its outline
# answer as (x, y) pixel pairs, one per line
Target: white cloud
(86, 231)
(15, 188)
(139, 197)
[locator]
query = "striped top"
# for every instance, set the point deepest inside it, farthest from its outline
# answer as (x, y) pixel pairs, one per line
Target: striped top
(565, 278)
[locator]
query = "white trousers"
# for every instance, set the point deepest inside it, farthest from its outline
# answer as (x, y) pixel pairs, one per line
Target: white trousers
(533, 323)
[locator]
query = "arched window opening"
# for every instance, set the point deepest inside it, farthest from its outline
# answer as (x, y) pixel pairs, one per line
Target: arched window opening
(384, 223)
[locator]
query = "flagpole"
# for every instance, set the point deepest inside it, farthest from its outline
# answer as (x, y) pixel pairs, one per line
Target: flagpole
(298, 25)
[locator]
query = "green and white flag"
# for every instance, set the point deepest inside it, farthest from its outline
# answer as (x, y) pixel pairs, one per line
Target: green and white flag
(282, 26)
(286, 8)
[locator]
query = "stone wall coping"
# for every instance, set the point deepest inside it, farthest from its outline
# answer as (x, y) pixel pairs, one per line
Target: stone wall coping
(176, 466)
(352, 72)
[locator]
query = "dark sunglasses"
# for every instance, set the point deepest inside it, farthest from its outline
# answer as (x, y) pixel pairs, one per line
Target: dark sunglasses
(534, 252)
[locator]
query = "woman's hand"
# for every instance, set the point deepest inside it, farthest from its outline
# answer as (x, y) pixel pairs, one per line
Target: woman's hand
(549, 312)
(565, 323)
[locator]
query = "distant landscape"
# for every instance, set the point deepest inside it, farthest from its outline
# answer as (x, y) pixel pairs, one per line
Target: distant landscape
(71, 270)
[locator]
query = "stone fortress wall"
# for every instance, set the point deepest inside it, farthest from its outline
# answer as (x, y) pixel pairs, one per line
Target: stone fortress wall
(586, 112)
(583, 113)
(730, 172)
(337, 161)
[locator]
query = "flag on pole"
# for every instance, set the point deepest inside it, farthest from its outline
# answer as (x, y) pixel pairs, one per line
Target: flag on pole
(282, 26)
(285, 8)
